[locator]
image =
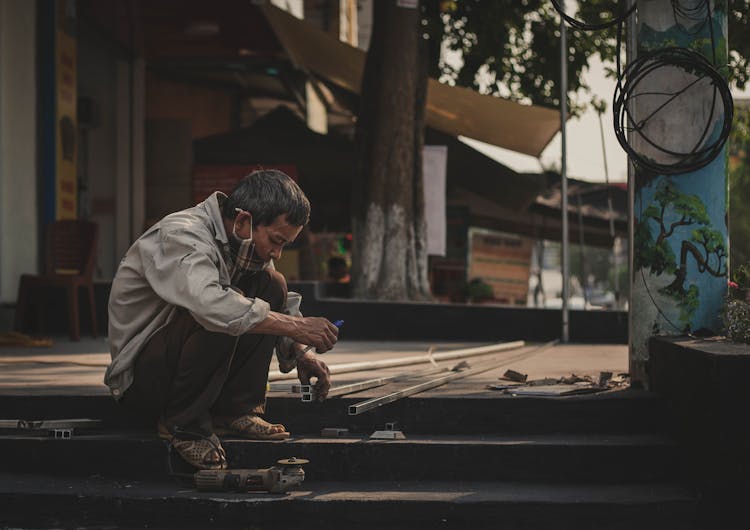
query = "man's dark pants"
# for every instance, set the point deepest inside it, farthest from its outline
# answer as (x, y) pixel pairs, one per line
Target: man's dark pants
(186, 374)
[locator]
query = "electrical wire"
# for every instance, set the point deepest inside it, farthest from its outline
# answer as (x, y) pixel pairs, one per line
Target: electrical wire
(702, 152)
(586, 26)
(648, 290)
(646, 64)
(689, 61)
(626, 91)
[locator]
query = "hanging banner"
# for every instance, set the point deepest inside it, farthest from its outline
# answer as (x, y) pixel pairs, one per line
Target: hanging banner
(434, 168)
(66, 130)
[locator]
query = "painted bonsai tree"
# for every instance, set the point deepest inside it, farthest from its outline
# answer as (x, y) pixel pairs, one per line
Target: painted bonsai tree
(672, 209)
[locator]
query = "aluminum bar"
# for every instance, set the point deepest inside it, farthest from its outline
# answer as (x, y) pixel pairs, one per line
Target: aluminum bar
(344, 368)
(364, 406)
(348, 389)
(308, 391)
(48, 424)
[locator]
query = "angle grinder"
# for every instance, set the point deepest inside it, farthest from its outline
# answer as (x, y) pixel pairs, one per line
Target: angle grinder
(285, 475)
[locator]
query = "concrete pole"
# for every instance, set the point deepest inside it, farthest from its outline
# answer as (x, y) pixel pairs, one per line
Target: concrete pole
(680, 240)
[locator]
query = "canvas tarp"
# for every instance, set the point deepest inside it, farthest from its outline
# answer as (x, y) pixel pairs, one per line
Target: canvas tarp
(453, 110)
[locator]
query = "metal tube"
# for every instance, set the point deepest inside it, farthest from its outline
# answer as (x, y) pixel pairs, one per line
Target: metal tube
(344, 368)
(356, 387)
(308, 391)
(49, 424)
(364, 406)
(565, 334)
(370, 404)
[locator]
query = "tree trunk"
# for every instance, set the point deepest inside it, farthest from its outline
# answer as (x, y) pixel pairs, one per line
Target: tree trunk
(389, 259)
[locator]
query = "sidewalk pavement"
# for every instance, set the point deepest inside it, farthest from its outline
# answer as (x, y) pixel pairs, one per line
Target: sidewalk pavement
(77, 368)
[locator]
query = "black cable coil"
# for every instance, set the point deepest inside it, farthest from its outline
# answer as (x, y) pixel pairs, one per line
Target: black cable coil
(585, 26)
(645, 64)
(689, 61)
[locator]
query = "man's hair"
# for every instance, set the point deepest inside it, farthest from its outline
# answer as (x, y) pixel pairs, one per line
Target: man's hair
(267, 194)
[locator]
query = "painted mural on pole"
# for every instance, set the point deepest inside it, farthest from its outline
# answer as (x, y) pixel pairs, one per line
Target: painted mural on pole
(680, 243)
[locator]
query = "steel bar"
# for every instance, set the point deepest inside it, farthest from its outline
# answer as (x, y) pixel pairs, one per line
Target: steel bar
(364, 406)
(355, 387)
(308, 391)
(406, 361)
(284, 387)
(48, 424)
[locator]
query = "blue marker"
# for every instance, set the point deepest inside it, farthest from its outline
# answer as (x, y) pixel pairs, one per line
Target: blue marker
(337, 323)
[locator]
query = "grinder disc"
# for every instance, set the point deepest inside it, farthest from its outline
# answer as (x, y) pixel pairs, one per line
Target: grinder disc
(293, 461)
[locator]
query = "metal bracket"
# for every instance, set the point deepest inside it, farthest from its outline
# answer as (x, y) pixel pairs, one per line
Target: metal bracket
(387, 435)
(61, 434)
(390, 433)
(334, 432)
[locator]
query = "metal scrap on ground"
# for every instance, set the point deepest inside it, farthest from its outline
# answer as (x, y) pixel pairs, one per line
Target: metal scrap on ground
(512, 375)
(564, 386)
(334, 432)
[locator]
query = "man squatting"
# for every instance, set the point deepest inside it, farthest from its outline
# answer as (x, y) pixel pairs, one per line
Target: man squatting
(197, 309)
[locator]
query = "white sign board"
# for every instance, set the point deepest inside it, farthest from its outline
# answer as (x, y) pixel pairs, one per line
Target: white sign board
(434, 167)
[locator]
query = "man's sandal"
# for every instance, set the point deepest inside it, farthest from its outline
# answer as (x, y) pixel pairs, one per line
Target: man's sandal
(197, 452)
(250, 426)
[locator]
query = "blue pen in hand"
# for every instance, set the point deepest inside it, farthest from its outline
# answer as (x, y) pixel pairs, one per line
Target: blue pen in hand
(337, 323)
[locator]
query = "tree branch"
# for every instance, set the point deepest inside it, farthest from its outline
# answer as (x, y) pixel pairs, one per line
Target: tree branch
(703, 265)
(682, 222)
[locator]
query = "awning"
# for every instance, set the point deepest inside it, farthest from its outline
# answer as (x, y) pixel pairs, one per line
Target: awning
(453, 110)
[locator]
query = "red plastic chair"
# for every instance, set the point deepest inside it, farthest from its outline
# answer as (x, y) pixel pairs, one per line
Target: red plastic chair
(70, 258)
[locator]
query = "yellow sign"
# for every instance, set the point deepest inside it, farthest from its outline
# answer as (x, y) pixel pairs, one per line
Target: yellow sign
(66, 123)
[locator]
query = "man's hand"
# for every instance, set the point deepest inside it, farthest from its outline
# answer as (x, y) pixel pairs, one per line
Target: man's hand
(308, 365)
(318, 332)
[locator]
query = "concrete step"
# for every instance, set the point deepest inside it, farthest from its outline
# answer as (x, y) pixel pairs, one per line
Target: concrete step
(566, 458)
(625, 411)
(37, 501)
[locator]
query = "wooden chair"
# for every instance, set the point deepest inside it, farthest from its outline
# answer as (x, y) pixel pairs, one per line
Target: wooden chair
(69, 262)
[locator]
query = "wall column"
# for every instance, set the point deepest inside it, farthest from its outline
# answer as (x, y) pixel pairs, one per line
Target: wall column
(18, 156)
(129, 153)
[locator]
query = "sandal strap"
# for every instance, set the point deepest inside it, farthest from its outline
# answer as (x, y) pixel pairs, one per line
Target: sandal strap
(196, 452)
(253, 423)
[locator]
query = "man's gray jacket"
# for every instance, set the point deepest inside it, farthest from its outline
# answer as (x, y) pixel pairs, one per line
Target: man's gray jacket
(179, 263)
